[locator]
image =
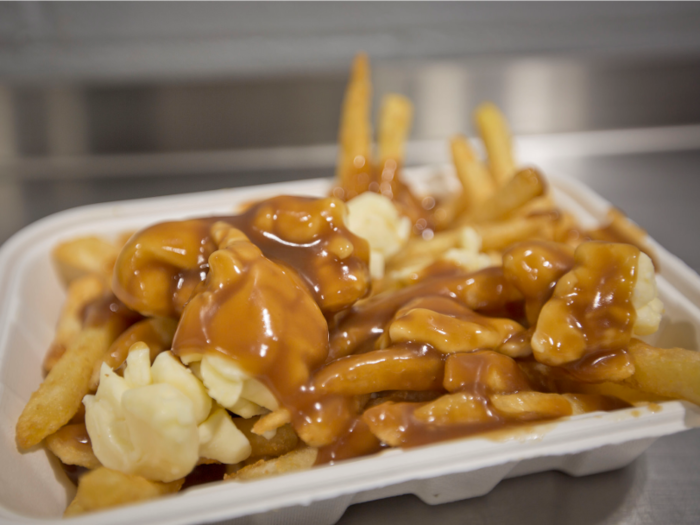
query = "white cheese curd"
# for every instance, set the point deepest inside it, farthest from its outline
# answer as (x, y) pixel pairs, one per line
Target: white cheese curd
(233, 388)
(647, 305)
(376, 219)
(220, 439)
(157, 420)
(468, 255)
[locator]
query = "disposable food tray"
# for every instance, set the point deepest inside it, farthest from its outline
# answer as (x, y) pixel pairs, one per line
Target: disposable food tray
(34, 489)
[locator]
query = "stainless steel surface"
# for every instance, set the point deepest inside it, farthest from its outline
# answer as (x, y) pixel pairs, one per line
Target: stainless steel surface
(69, 40)
(83, 143)
(88, 120)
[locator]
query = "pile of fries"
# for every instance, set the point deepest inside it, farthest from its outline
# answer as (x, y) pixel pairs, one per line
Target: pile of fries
(481, 313)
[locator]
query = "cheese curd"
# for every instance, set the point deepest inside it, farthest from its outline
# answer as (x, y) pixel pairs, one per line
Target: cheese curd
(647, 305)
(231, 387)
(157, 421)
(468, 253)
(375, 218)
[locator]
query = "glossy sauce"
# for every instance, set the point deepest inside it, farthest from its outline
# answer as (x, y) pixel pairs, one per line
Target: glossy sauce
(160, 267)
(534, 267)
(486, 291)
(591, 314)
(262, 288)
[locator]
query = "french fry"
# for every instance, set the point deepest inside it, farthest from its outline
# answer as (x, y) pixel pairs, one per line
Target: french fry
(500, 235)
(494, 131)
(477, 183)
(453, 409)
(60, 395)
(354, 141)
(81, 291)
(522, 187)
(394, 126)
(670, 372)
(584, 403)
(379, 370)
(104, 488)
(554, 380)
(300, 459)
(388, 420)
(285, 439)
(418, 248)
(84, 256)
(528, 406)
(71, 445)
(272, 421)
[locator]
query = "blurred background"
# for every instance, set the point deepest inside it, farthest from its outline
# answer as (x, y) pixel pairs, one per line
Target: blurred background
(108, 101)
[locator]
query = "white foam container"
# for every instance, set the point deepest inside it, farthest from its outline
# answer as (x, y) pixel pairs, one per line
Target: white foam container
(33, 488)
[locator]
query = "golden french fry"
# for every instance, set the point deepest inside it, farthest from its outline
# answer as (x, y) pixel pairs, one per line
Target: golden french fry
(477, 183)
(104, 488)
(389, 423)
(522, 187)
(300, 459)
(355, 135)
(454, 409)
(81, 291)
(671, 372)
(83, 256)
(60, 395)
(555, 380)
(272, 421)
(394, 126)
(71, 444)
(285, 439)
(379, 370)
(541, 205)
(419, 248)
(525, 406)
(584, 403)
(500, 235)
(494, 131)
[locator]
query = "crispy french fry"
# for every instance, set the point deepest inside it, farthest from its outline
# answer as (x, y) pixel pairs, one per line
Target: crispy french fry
(104, 488)
(285, 439)
(355, 129)
(494, 131)
(477, 183)
(525, 406)
(522, 187)
(671, 372)
(81, 291)
(272, 421)
(300, 459)
(71, 445)
(83, 256)
(394, 126)
(59, 396)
